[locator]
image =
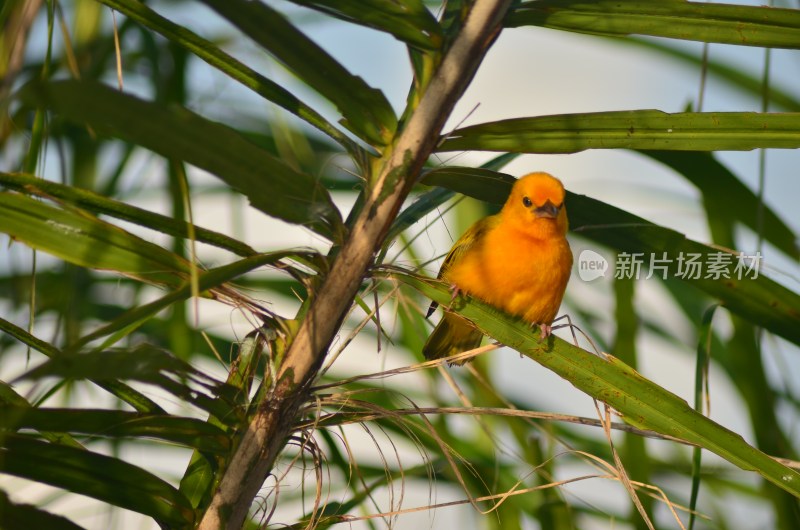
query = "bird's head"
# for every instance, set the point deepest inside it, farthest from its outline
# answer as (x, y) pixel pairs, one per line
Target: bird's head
(536, 203)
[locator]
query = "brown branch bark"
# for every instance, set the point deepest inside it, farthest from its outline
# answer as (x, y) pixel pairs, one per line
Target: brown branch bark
(267, 433)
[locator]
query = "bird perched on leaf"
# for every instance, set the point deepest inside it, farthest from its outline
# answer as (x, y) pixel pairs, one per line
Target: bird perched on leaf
(518, 261)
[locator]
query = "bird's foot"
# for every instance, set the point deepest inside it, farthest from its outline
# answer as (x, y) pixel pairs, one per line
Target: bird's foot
(546, 330)
(456, 291)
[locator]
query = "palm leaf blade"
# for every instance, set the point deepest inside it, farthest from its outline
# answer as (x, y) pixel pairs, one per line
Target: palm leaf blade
(677, 19)
(271, 185)
(635, 129)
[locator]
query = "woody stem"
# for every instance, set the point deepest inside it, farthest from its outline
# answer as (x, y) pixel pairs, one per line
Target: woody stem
(399, 169)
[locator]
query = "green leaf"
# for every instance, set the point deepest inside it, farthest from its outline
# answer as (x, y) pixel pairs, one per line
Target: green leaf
(201, 477)
(10, 399)
(422, 205)
(700, 386)
(9, 396)
(641, 402)
(634, 452)
(409, 21)
(87, 241)
(177, 133)
(29, 340)
(677, 19)
(231, 67)
(127, 394)
(728, 198)
(480, 183)
(207, 280)
(13, 515)
(98, 476)
(366, 111)
(147, 364)
(761, 301)
(631, 129)
(189, 432)
(143, 363)
(432, 199)
(98, 204)
(453, 16)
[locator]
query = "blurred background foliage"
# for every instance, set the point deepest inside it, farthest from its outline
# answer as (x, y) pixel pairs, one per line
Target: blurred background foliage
(177, 177)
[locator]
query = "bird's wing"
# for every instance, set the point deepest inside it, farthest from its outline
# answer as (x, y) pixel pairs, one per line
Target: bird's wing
(475, 233)
(467, 240)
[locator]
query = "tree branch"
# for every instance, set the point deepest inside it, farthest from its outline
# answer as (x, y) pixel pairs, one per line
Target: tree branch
(399, 169)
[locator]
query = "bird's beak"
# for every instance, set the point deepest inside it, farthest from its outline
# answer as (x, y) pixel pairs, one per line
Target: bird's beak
(547, 210)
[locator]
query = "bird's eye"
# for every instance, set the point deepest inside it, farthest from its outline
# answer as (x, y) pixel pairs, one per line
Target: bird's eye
(526, 202)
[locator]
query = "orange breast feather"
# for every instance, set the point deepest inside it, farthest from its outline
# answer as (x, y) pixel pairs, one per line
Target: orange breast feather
(518, 261)
(522, 276)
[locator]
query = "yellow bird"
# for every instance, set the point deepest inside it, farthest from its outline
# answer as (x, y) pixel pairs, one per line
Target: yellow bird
(518, 261)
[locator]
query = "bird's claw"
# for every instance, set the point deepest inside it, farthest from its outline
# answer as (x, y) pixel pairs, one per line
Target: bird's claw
(546, 331)
(456, 291)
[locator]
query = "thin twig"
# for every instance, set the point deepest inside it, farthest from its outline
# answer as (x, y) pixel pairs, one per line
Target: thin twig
(497, 411)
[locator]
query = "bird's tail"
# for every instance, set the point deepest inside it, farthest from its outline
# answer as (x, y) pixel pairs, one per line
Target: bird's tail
(453, 334)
